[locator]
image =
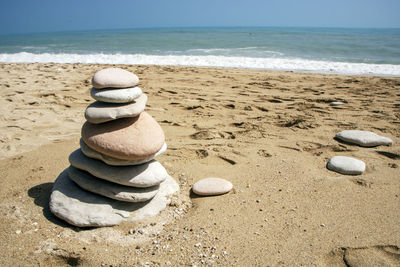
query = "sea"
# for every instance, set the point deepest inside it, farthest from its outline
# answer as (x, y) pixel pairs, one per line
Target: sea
(320, 50)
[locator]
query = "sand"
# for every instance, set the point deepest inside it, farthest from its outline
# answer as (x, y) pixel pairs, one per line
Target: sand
(270, 133)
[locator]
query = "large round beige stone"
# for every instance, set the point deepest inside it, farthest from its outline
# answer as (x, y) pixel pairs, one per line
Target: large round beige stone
(117, 162)
(114, 78)
(127, 138)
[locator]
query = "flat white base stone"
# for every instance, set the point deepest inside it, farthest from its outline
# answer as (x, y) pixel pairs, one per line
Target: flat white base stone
(84, 209)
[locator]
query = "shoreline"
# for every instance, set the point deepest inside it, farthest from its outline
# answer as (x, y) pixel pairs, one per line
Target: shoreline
(213, 61)
(218, 67)
(269, 132)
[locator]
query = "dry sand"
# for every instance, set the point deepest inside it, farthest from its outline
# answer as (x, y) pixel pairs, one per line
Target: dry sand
(269, 133)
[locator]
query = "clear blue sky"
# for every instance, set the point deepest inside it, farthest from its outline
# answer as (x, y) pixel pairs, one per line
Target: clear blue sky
(21, 16)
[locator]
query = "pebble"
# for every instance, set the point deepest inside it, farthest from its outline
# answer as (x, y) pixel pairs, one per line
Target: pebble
(144, 175)
(119, 138)
(114, 78)
(132, 231)
(112, 190)
(336, 103)
(84, 209)
(124, 95)
(99, 112)
(363, 138)
(212, 187)
(117, 162)
(346, 165)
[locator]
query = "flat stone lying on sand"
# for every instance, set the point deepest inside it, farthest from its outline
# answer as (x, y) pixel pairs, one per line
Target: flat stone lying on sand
(112, 190)
(346, 165)
(212, 187)
(363, 138)
(99, 112)
(124, 95)
(84, 209)
(120, 138)
(117, 162)
(144, 175)
(336, 103)
(114, 78)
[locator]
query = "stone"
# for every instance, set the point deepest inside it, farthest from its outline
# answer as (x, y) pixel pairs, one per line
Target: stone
(336, 103)
(363, 138)
(126, 138)
(84, 209)
(159, 202)
(212, 187)
(99, 112)
(111, 190)
(114, 78)
(117, 162)
(144, 175)
(124, 95)
(346, 165)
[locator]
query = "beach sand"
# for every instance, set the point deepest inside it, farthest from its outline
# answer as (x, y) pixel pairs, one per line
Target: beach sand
(270, 133)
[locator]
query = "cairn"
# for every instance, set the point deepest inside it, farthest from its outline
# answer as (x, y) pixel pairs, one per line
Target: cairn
(113, 176)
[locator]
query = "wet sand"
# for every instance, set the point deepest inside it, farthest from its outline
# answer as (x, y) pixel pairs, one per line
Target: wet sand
(270, 133)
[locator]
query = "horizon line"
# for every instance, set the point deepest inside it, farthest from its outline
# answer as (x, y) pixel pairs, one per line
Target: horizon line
(198, 27)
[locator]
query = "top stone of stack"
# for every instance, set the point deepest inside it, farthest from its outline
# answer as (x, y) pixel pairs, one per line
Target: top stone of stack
(114, 78)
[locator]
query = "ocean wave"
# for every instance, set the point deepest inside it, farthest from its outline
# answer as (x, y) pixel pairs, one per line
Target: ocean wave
(273, 63)
(238, 51)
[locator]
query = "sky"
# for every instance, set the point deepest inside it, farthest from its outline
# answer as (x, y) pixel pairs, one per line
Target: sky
(28, 16)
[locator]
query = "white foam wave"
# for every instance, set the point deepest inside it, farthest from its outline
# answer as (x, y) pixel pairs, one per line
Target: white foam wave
(254, 51)
(295, 64)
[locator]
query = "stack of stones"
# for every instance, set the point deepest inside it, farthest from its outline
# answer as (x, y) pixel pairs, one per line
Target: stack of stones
(113, 177)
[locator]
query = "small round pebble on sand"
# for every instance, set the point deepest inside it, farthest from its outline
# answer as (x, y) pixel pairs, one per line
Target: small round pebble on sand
(212, 187)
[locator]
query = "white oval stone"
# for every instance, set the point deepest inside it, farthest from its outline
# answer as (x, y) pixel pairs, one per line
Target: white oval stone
(212, 187)
(124, 95)
(336, 103)
(363, 138)
(99, 112)
(346, 165)
(114, 78)
(91, 153)
(111, 190)
(144, 175)
(84, 209)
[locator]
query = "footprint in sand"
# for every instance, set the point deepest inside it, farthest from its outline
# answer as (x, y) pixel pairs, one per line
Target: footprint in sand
(365, 256)
(264, 153)
(209, 135)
